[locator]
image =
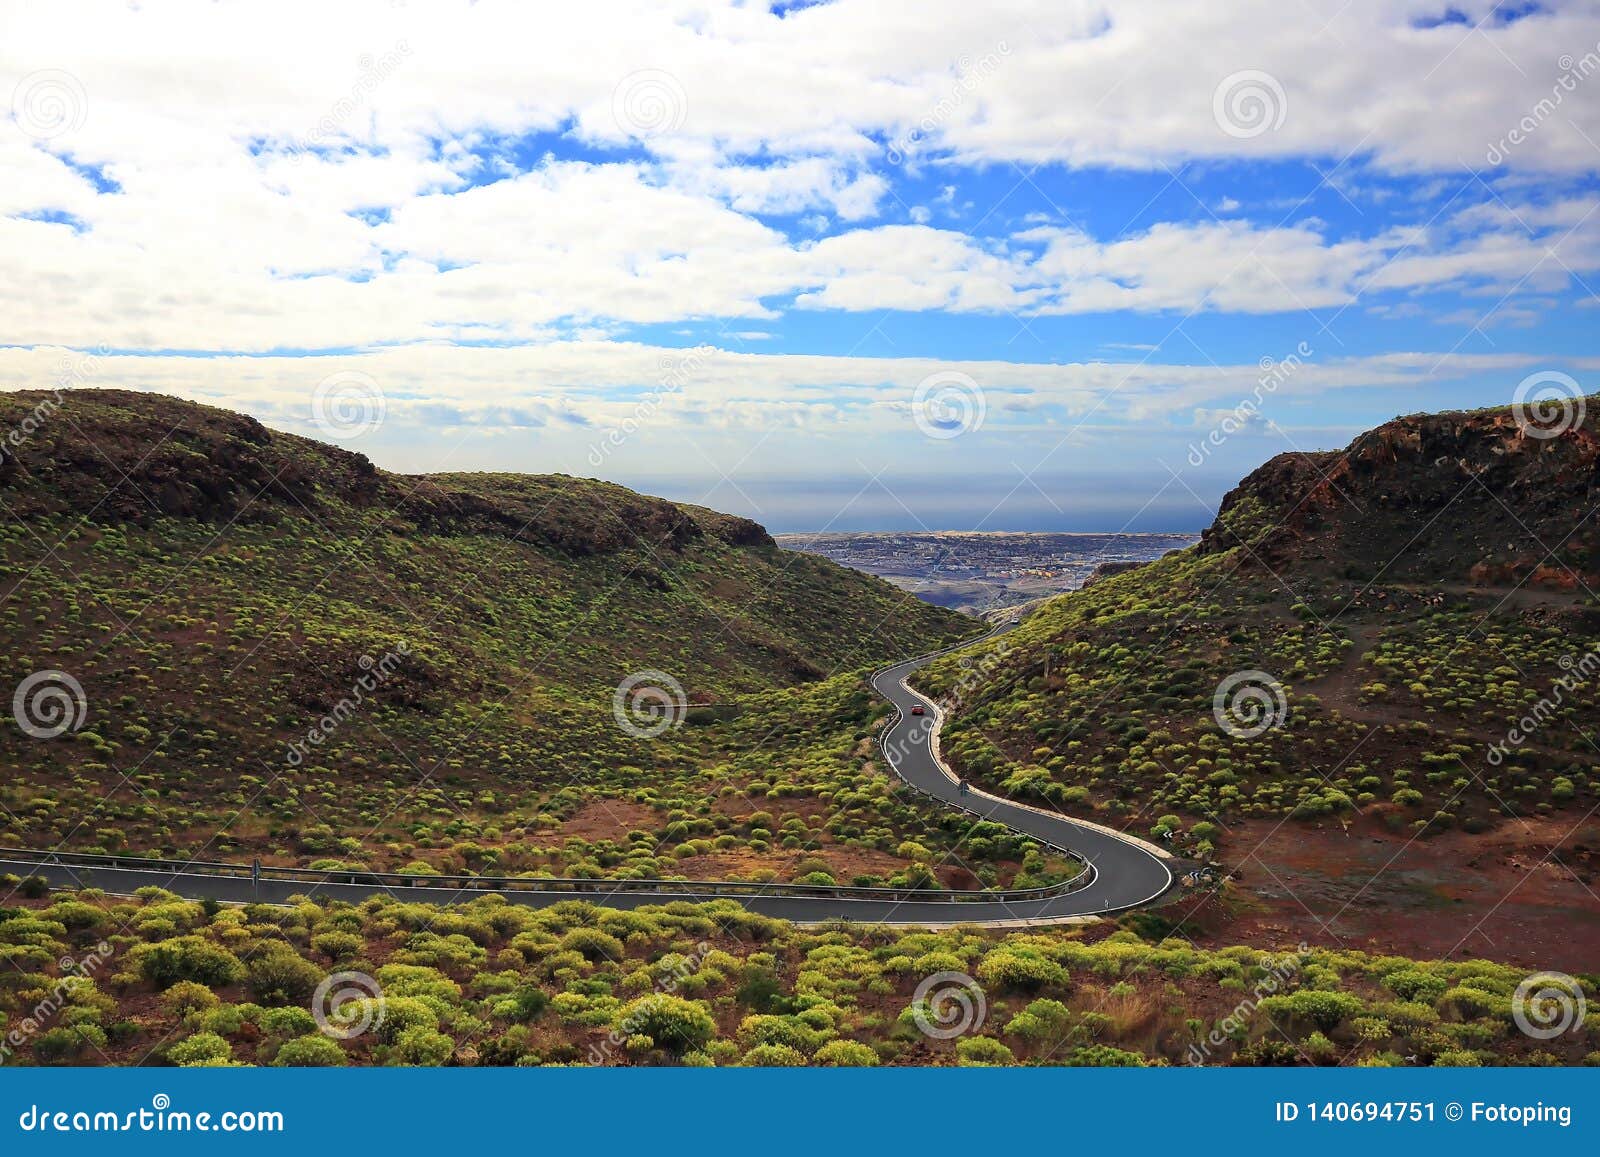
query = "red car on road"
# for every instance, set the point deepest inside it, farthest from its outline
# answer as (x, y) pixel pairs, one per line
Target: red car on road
(917, 710)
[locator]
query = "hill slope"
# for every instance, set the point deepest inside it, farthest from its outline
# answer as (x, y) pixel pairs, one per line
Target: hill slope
(1451, 497)
(1405, 610)
(219, 589)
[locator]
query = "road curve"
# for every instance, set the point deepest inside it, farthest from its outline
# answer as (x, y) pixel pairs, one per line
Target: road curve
(1120, 873)
(1127, 872)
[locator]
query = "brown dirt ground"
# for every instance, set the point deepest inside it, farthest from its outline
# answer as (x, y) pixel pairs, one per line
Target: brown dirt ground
(1527, 892)
(610, 819)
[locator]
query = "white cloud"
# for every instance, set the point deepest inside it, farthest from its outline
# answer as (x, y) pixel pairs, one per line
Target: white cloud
(599, 382)
(279, 189)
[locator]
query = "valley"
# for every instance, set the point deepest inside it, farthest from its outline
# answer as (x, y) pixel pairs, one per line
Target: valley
(1377, 787)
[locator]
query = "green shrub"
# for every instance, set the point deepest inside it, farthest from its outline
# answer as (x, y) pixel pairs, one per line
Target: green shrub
(983, 1052)
(224, 1020)
(199, 1049)
(759, 989)
(60, 1045)
(310, 1052)
(774, 1056)
(388, 1016)
(281, 976)
(423, 1046)
(675, 1024)
(1043, 1021)
(338, 946)
(288, 1022)
(188, 958)
(186, 996)
(593, 945)
(1414, 984)
(1323, 1009)
(1020, 968)
(845, 1054)
(1103, 1057)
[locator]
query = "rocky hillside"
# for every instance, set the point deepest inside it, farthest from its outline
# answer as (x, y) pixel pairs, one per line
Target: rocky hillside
(219, 590)
(1403, 634)
(1463, 497)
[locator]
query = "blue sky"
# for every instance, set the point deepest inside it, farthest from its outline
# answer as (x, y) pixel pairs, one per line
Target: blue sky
(1060, 266)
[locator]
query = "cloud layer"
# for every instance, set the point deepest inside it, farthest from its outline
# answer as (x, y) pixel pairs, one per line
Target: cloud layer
(392, 188)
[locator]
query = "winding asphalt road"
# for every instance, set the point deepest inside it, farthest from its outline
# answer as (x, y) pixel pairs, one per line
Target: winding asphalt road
(1120, 873)
(1126, 872)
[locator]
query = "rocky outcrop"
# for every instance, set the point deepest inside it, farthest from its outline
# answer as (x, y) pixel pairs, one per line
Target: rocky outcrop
(122, 455)
(1473, 497)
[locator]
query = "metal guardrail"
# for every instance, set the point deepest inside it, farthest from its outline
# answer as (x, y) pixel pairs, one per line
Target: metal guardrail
(577, 887)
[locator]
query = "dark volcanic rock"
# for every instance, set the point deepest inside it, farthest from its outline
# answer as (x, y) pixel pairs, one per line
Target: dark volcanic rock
(1472, 497)
(130, 456)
